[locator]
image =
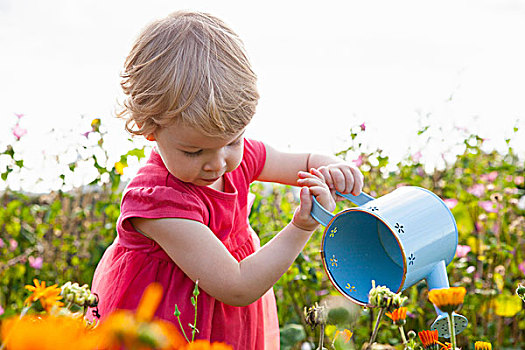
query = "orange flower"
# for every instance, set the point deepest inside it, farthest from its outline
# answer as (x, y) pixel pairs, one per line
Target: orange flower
(429, 339)
(126, 329)
(398, 314)
(346, 334)
(447, 299)
(206, 345)
(47, 333)
(48, 297)
(481, 345)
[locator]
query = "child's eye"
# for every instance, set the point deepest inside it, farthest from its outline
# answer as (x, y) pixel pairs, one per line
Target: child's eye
(192, 154)
(236, 142)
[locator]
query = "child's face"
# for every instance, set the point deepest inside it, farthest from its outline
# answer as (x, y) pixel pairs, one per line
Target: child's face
(193, 157)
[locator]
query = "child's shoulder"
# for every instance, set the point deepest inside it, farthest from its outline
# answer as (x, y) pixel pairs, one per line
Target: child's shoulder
(154, 173)
(154, 178)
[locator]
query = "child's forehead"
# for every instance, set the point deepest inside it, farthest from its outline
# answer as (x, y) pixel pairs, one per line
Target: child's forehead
(189, 136)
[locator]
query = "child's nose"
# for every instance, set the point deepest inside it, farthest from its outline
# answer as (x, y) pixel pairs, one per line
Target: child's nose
(216, 163)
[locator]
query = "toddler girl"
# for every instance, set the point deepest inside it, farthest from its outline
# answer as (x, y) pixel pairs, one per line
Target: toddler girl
(184, 216)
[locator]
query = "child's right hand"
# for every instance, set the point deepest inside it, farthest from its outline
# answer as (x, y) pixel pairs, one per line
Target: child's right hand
(312, 183)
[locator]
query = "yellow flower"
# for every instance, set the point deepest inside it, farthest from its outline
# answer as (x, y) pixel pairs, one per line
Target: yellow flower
(48, 296)
(119, 168)
(47, 333)
(206, 345)
(481, 345)
(429, 339)
(507, 305)
(346, 334)
(95, 124)
(445, 346)
(125, 329)
(398, 314)
(447, 299)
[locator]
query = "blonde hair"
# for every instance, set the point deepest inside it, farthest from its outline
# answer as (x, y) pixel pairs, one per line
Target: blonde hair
(192, 68)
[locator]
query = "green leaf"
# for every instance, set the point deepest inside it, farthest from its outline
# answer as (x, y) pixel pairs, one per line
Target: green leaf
(423, 130)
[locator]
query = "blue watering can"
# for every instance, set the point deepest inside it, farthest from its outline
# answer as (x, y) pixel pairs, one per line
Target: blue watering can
(397, 240)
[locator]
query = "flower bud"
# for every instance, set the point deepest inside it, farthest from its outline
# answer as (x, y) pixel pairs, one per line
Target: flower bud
(521, 291)
(79, 300)
(92, 300)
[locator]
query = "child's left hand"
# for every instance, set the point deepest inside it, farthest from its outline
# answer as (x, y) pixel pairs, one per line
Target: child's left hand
(342, 177)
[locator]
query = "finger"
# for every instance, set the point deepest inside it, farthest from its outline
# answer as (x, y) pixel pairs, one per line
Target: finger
(313, 181)
(338, 179)
(323, 196)
(337, 197)
(306, 201)
(325, 175)
(304, 174)
(318, 174)
(349, 179)
(358, 181)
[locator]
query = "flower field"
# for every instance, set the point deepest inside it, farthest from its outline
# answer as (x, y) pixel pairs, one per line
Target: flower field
(60, 236)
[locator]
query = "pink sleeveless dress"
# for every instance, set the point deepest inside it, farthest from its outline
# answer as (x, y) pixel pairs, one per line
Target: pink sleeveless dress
(133, 261)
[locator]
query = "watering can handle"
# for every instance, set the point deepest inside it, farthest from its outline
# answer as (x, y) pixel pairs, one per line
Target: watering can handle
(323, 216)
(360, 200)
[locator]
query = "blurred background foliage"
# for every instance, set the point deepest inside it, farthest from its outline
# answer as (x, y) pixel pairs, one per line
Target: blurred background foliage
(60, 236)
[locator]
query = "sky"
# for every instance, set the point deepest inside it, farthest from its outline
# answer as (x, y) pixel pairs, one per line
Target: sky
(322, 69)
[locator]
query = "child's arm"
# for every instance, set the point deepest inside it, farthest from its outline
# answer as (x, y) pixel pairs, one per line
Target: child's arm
(200, 254)
(283, 167)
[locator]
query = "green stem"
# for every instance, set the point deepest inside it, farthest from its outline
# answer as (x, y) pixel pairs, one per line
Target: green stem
(376, 328)
(194, 328)
(451, 330)
(182, 329)
(402, 331)
(321, 337)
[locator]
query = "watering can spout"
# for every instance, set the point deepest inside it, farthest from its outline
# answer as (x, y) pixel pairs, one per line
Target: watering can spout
(438, 279)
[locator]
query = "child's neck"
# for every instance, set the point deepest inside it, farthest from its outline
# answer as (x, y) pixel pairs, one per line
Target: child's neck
(218, 185)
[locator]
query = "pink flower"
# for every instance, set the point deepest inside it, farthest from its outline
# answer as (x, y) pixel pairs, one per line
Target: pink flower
(479, 226)
(2, 243)
(450, 202)
(518, 180)
(363, 127)
(477, 190)
(18, 132)
(510, 190)
(471, 269)
(36, 263)
(416, 157)
(359, 161)
(13, 244)
(522, 267)
(491, 207)
(1, 310)
(19, 115)
(462, 250)
(490, 176)
(86, 134)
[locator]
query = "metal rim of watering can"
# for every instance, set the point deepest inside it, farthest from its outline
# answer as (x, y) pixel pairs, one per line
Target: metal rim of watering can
(323, 257)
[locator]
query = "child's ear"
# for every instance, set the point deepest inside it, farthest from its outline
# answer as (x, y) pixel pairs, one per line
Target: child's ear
(149, 137)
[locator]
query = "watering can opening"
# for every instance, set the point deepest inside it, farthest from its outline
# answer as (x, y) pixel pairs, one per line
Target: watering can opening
(359, 245)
